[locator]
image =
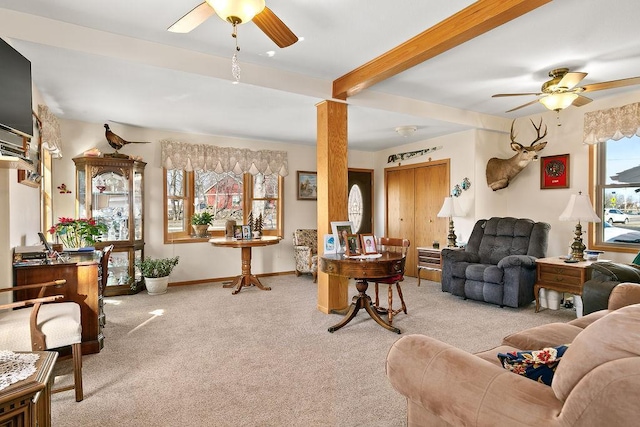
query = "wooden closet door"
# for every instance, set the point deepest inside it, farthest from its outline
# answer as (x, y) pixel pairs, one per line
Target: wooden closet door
(400, 211)
(431, 187)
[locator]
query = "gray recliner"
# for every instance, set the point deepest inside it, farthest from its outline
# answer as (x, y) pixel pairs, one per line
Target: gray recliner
(498, 264)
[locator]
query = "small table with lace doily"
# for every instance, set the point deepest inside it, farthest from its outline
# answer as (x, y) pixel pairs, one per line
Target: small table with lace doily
(27, 401)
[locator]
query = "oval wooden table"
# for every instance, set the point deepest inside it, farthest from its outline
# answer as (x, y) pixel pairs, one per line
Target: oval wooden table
(362, 270)
(246, 278)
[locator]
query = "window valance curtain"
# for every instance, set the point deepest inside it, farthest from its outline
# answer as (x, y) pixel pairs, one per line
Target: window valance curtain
(190, 157)
(50, 131)
(613, 123)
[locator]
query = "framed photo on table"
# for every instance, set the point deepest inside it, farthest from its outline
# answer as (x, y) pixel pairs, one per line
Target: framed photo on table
(246, 232)
(330, 244)
(353, 245)
(307, 185)
(368, 242)
(554, 171)
(237, 232)
(340, 230)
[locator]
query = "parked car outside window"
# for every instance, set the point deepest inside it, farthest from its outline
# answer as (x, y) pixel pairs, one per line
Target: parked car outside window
(615, 215)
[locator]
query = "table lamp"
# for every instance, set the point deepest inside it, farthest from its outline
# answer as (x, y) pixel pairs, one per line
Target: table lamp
(450, 209)
(579, 209)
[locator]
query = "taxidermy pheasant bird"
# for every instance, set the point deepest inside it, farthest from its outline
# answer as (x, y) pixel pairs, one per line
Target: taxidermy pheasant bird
(116, 141)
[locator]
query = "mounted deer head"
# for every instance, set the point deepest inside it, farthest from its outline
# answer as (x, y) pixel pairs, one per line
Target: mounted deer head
(501, 171)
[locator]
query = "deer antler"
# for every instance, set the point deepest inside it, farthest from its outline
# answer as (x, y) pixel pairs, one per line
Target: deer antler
(538, 131)
(537, 128)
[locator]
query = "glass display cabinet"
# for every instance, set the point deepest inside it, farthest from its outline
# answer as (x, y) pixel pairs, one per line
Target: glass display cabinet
(111, 191)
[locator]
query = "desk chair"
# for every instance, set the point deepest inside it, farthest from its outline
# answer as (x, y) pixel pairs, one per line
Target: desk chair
(391, 244)
(48, 325)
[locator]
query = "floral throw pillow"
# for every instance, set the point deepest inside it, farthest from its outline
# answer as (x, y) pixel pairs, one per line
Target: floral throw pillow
(538, 365)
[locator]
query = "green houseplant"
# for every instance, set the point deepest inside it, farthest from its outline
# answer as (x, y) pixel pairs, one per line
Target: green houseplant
(156, 273)
(200, 223)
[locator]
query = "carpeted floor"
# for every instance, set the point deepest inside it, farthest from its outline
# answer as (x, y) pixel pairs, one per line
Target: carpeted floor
(199, 356)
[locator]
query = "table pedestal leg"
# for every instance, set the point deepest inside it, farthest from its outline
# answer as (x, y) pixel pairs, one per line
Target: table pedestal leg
(362, 300)
(246, 278)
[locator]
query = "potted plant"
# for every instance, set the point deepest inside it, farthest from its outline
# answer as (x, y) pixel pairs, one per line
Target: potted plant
(156, 273)
(200, 223)
(78, 233)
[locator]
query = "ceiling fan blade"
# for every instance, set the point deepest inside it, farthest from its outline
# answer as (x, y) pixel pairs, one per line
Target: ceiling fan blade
(274, 28)
(522, 106)
(612, 84)
(580, 101)
(570, 80)
(191, 20)
(499, 95)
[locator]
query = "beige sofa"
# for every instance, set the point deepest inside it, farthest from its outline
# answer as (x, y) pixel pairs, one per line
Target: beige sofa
(596, 383)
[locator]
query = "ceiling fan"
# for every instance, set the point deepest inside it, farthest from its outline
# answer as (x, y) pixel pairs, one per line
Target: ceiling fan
(563, 90)
(238, 12)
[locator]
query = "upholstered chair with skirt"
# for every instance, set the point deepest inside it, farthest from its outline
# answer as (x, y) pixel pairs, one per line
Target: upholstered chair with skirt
(305, 247)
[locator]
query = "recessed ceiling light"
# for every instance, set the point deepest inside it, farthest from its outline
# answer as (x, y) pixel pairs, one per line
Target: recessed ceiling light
(271, 53)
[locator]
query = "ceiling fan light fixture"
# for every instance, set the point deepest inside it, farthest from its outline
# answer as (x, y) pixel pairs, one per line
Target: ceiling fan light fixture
(406, 130)
(558, 101)
(237, 11)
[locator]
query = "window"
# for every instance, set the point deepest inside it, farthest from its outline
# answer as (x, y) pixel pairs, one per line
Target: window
(617, 194)
(226, 195)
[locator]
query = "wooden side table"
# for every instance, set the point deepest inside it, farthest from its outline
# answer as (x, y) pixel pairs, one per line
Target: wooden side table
(28, 402)
(429, 259)
(557, 275)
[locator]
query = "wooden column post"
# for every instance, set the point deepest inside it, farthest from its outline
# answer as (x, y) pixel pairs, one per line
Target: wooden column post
(332, 194)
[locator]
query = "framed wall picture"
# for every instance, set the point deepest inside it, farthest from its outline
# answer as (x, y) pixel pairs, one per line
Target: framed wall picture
(353, 245)
(368, 243)
(554, 171)
(340, 230)
(307, 185)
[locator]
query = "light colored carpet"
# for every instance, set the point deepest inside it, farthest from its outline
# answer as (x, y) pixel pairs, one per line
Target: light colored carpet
(199, 356)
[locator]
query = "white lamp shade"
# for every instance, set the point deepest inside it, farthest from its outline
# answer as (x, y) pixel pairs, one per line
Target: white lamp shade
(558, 101)
(240, 11)
(579, 208)
(449, 208)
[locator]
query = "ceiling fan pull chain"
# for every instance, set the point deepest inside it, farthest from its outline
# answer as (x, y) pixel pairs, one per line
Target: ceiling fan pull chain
(235, 65)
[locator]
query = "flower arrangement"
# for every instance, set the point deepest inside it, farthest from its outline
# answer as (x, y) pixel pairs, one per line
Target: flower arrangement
(78, 233)
(156, 267)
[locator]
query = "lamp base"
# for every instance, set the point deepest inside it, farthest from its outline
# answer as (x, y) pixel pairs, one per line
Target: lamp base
(577, 247)
(452, 235)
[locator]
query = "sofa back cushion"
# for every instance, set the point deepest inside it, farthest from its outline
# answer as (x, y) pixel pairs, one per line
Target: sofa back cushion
(615, 336)
(496, 238)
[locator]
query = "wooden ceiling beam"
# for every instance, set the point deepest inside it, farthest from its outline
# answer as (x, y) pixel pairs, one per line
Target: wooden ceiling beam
(474, 20)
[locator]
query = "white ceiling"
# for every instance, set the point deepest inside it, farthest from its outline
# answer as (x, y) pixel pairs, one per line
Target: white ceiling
(114, 61)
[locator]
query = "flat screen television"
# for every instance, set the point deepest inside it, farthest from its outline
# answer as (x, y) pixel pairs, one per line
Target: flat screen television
(15, 91)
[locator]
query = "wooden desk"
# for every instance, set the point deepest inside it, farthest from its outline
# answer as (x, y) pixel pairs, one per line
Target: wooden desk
(555, 274)
(82, 287)
(246, 278)
(28, 402)
(389, 264)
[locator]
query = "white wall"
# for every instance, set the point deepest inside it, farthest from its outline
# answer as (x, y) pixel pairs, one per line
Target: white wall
(523, 198)
(198, 261)
(460, 148)
(468, 151)
(20, 215)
